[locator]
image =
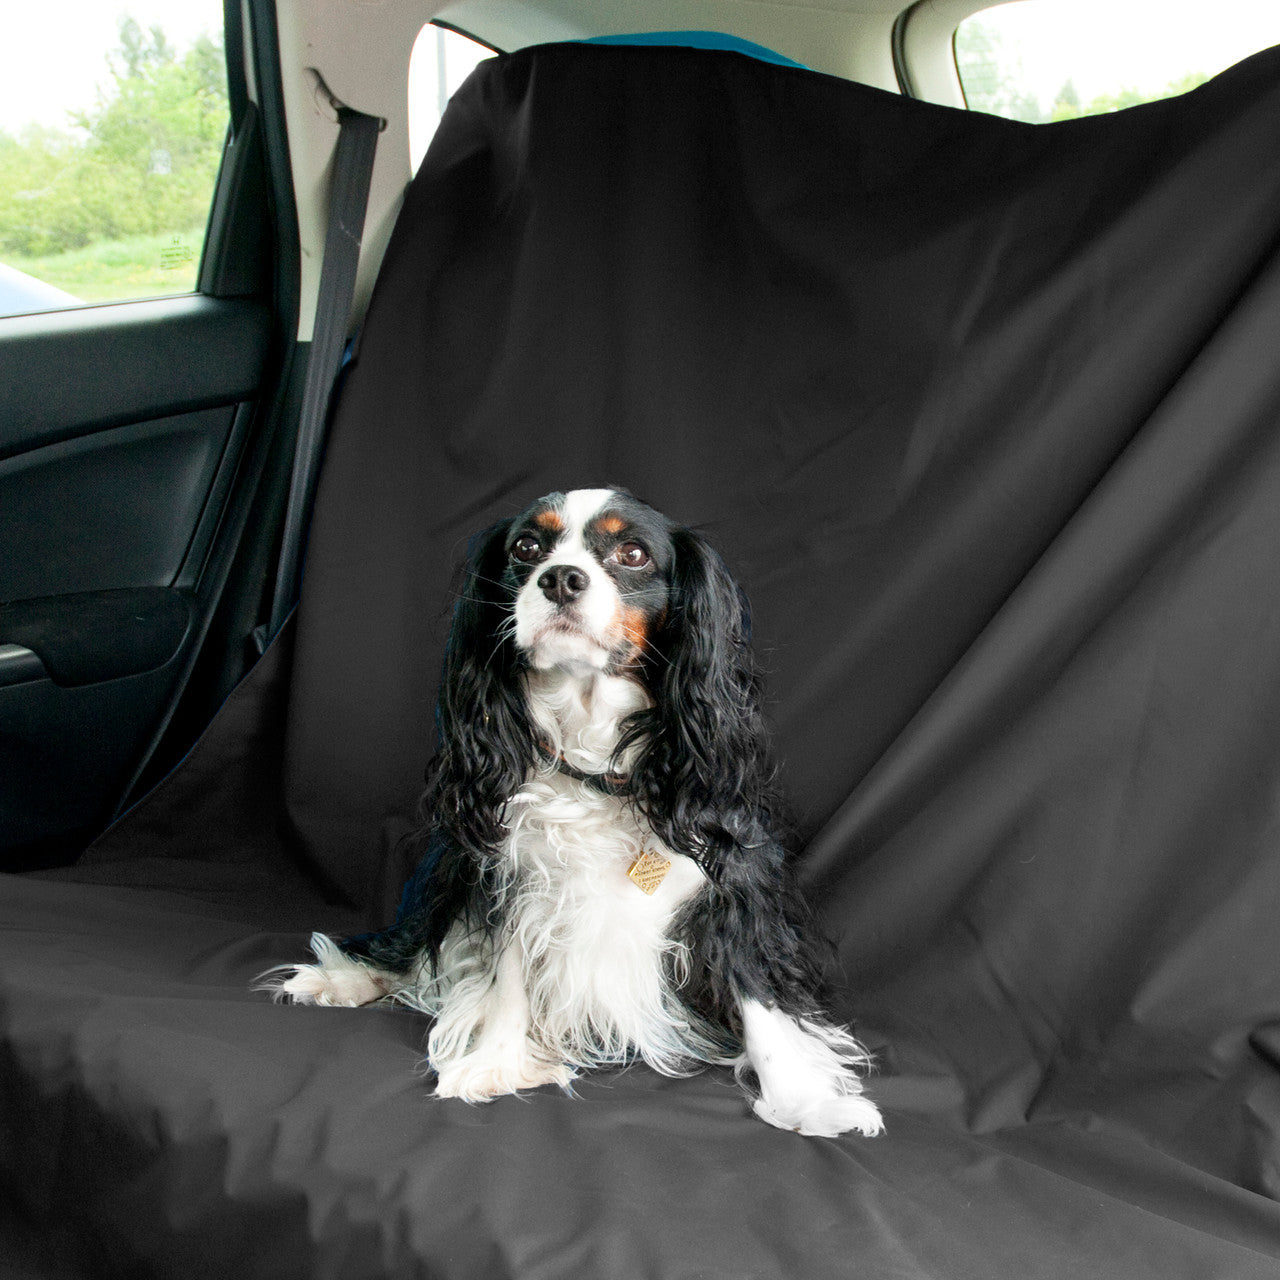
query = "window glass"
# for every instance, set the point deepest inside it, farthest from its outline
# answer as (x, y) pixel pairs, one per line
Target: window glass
(1041, 60)
(441, 61)
(112, 126)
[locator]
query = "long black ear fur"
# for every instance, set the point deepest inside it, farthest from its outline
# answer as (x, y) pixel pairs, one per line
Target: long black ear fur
(707, 784)
(704, 778)
(484, 732)
(483, 753)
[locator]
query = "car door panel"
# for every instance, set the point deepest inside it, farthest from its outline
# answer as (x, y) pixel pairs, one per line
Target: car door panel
(122, 430)
(61, 771)
(111, 509)
(63, 373)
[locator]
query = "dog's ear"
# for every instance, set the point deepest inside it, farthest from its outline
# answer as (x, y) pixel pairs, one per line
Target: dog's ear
(483, 729)
(704, 775)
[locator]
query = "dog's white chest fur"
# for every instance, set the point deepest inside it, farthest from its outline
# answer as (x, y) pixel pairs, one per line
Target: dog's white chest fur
(572, 847)
(596, 950)
(569, 846)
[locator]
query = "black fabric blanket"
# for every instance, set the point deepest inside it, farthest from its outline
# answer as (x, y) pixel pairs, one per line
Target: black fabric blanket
(986, 418)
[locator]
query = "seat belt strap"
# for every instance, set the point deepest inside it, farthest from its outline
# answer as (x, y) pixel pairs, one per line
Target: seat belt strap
(348, 198)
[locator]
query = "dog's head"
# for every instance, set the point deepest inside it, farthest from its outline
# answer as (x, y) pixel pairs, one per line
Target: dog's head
(590, 573)
(595, 580)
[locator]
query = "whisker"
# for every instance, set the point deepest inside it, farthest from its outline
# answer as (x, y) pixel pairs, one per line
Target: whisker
(497, 582)
(505, 631)
(646, 645)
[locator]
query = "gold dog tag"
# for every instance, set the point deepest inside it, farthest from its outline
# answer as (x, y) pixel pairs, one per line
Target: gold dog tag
(648, 871)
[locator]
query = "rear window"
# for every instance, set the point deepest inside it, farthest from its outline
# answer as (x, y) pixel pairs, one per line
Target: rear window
(1043, 60)
(442, 59)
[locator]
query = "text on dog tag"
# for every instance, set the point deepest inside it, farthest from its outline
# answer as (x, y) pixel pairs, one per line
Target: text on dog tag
(649, 870)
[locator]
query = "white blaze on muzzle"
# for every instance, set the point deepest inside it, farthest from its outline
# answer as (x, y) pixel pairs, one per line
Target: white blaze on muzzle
(566, 609)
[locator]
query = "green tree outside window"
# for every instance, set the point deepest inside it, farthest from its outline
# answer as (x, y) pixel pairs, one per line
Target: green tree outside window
(116, 205)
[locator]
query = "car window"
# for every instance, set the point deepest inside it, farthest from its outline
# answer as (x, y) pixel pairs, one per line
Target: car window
(442, 59)
(1043, 60)
(111, 132)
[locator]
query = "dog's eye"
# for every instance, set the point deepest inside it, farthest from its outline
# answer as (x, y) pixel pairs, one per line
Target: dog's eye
(527, 549)
(631, 555)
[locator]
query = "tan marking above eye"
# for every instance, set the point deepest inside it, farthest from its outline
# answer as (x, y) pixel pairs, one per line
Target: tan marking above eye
(611, 524)
(552, 521)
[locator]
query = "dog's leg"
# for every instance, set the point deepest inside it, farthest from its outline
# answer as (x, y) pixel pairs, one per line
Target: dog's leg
(480, 1046)
(335, 979)
(807, 1073)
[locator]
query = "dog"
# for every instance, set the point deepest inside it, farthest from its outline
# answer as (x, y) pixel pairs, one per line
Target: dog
(601, 880)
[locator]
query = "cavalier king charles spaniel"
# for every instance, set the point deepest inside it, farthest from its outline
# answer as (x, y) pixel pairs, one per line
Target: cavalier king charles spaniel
(601, 880)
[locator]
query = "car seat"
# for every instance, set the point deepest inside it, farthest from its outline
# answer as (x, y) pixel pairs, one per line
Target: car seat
(984, 417)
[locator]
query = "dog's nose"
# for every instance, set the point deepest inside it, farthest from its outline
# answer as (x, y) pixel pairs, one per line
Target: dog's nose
(563, 582)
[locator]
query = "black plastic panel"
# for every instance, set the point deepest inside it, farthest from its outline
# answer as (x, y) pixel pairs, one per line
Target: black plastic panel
(114, 509)
(64, 755)
(18, 665)
(65, 372)
(100, 635)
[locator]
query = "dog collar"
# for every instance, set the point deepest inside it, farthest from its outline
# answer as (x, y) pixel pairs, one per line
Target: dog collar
(647, 871)
(609, 784)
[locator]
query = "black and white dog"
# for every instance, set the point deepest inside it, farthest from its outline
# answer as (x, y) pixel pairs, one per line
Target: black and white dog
(601, 879)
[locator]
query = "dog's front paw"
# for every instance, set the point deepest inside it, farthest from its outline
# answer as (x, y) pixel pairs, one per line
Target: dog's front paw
(337, 980)
(824, 1117)
(313, 984)
(481, 1077)
(807, 1072)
